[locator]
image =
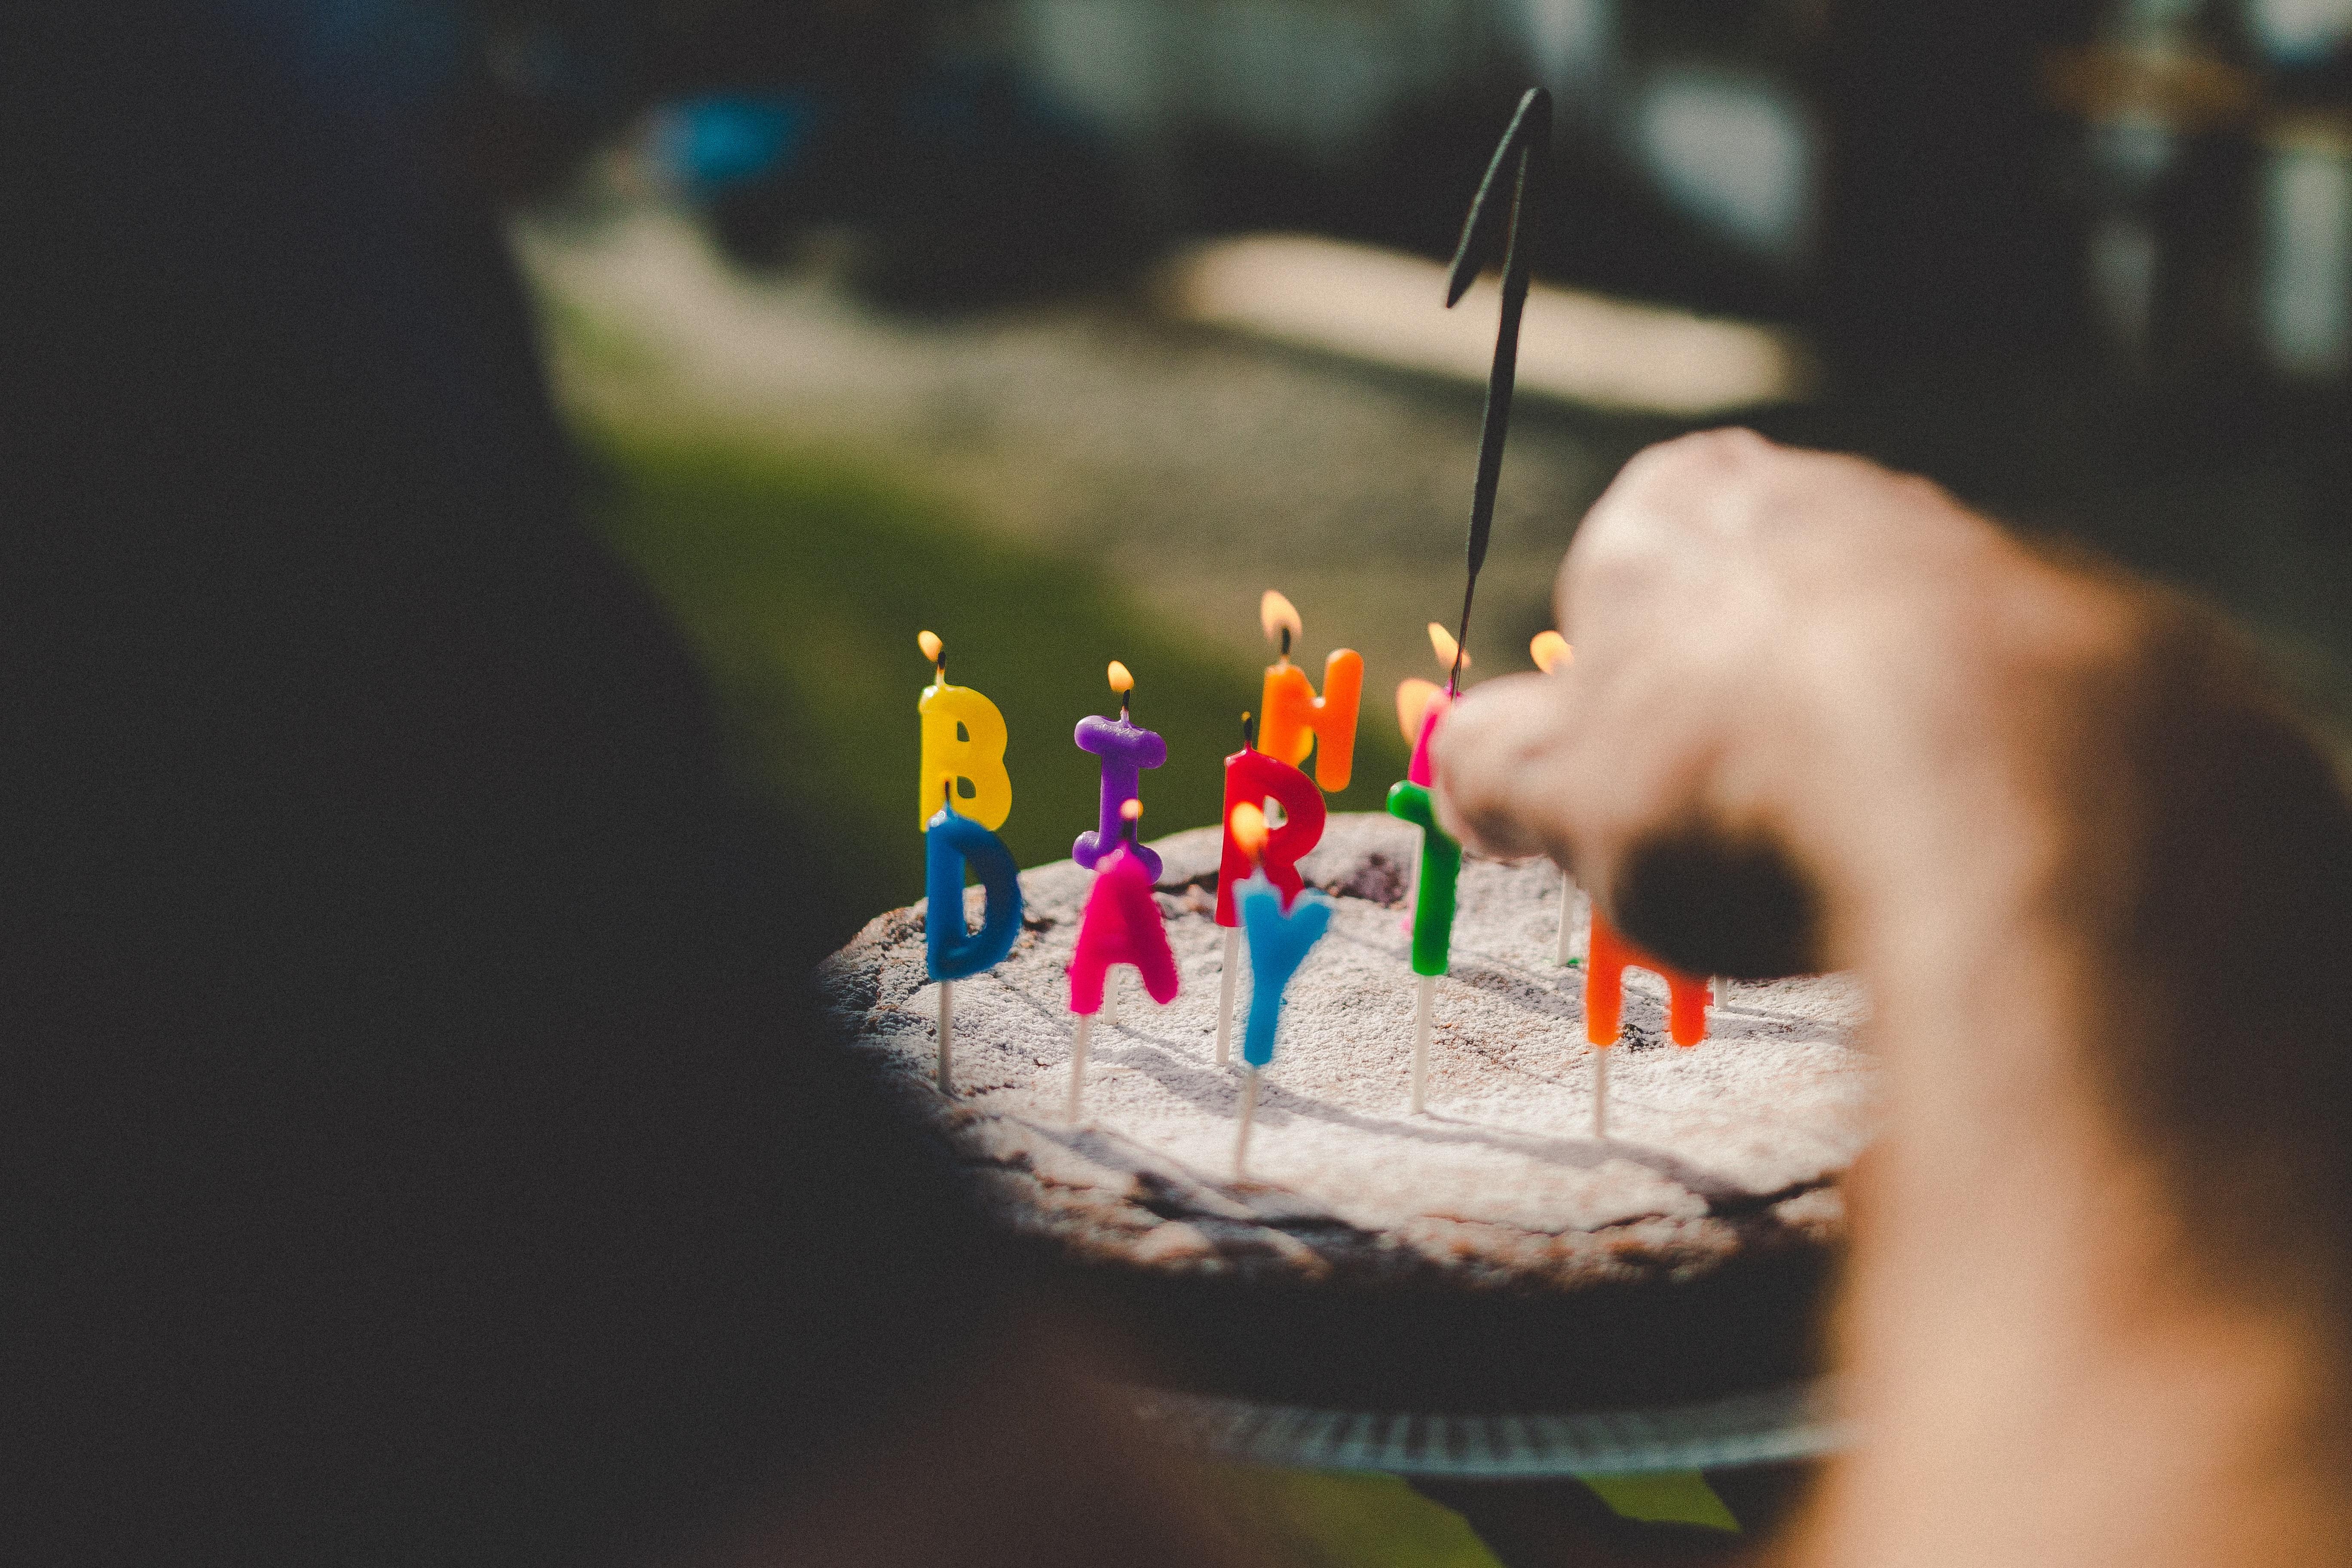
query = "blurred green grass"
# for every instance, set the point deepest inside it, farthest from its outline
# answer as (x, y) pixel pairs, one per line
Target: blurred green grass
(1346, 1520)
(801, 577)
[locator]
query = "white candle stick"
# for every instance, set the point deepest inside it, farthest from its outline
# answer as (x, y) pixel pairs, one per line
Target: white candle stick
(1719, 991)
(947, 1036)
(1566, 916)
(1249, 1115)
(1226, 996)
(1599, 1091)
(1078, 1068)
(1422, 1009)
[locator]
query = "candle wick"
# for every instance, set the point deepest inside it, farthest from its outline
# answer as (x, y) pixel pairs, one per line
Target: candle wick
(1249, 734)
(1286, 642)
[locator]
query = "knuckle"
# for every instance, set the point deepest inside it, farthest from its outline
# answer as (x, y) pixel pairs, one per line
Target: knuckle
(1715, 453)
(1664, 482)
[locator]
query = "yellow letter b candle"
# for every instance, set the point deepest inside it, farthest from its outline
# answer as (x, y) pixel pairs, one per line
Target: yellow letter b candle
(964, 745)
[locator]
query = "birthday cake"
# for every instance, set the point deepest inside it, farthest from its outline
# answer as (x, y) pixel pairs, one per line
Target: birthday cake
(1490, 1254)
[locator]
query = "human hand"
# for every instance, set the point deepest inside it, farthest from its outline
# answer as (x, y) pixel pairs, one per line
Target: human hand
(2090, 870)
(1800, 682)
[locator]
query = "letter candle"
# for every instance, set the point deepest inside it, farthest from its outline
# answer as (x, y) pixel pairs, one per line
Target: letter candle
(1293, 719)
(1605, 963)
(1550, 651)
(1433, 919)
(963, 740)
(1253, 778)
(1279, 942)
(1420, 704)
(1122, 924)
(963, 745)
(1127, 748)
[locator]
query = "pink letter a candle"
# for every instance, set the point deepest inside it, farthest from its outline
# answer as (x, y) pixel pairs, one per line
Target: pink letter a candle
(1122, 924)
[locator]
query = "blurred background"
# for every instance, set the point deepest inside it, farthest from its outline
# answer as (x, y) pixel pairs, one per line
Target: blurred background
(1066, 327)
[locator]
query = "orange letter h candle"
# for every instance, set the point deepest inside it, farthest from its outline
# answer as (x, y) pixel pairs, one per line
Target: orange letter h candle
(1292, 720)
(1604, 989)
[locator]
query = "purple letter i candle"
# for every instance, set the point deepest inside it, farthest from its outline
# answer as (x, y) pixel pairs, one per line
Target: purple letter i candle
(1126, 750)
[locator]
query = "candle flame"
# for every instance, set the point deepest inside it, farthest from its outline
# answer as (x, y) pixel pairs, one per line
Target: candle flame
(1120, 680)
(1250, 830)
(1550, 651)
(930, 644)
(1413, 698)
(1446, 648)
(1130, 809)
(1278, 615)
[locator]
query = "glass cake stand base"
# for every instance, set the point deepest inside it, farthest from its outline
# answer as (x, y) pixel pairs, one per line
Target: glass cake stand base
(1772, 1426)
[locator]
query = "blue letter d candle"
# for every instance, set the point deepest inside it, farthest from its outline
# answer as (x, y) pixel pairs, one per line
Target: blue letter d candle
(950, 843)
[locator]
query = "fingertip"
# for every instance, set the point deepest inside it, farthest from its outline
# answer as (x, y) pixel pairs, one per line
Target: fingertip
(1507, 704)
(1714, 459)
(1727, 449)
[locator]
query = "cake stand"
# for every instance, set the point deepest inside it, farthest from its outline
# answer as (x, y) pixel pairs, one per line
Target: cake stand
(1793, 1422)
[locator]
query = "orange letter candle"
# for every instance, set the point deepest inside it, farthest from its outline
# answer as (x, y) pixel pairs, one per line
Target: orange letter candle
(1293, 719)
(1605, 962)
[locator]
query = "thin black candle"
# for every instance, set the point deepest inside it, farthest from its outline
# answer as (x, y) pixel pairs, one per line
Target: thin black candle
(1523, 149)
